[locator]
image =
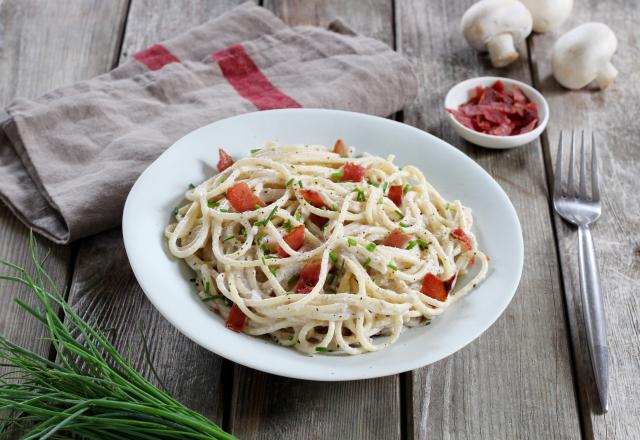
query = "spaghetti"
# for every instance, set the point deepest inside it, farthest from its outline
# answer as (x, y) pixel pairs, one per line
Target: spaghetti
(323, 251)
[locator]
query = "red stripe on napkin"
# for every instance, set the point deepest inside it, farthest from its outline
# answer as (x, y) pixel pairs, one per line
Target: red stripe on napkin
(242, 73)
(155, 57)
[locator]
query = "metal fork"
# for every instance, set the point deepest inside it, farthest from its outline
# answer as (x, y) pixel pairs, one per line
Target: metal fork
(575, 206)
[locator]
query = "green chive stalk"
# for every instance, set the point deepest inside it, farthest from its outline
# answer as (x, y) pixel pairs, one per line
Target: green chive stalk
(90, 391)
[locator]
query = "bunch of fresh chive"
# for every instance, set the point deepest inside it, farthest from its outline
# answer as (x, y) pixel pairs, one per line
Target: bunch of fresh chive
(90, 391)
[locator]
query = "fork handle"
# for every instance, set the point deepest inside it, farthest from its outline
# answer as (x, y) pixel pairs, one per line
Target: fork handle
(593, 312)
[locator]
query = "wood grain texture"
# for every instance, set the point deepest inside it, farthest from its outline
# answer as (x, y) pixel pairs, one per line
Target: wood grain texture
(612, 114)
(268, 407)
(104, 288)
(514, 381)
(34, 37)
(105, 291)
(373, 18)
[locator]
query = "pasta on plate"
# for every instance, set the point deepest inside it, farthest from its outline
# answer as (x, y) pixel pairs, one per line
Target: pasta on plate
(323, 251)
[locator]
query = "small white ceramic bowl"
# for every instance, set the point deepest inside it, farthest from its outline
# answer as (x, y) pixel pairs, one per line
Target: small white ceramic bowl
(461, 93)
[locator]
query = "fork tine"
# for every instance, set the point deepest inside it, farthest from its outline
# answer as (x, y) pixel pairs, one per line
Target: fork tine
(557, 179)
(583, 169)
(595, 180)
(571, 189)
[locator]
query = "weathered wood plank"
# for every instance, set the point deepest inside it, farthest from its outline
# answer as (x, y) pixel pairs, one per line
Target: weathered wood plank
(514, 381)
(35, 37)
(373, 18)
(266, 406)
(612, 115)
(104, 288)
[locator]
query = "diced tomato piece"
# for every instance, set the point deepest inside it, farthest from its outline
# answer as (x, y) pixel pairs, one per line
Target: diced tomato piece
(236, 319)
(464, 239)
(224, 161)
(318, 220)
(295, 240)
(498, 86)
(435, 288)
(395, 194)
(340, 148)
(353, 172)
(242, 198)
(396, 238)
(313, 197)
(308, 277)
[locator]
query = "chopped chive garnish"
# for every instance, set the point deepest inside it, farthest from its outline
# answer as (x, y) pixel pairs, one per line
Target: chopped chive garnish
(289, 182)
(374, 184)
(334, 207)
(191, 186)
(264, 262)
(423, 244)
(293, 279)
(405, 188)
(259, 238)
(273, 270)
(255, 150)
(290, 337)
(298, 216)
(400, 214)
(230, 237)
(351, 242)
(371, 247)
(392, 266)
(321, 349)
(427, 323)
(175, 210)
(224, 210)
(360, 197)
(257, 206)
(300, 184)
(380, 201)
(243, 231)
(223, 179)
(411, 244)
(264, 248)
(206, 287)
(213, 297)
(213, 205)
(366, 262)
(447, 206)
(287, 225)
(336, 176)
(333, 257)
(384, 187)
(268, 219)
(403, 225)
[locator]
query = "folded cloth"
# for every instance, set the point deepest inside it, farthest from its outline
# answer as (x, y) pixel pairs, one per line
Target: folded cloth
(69, 158)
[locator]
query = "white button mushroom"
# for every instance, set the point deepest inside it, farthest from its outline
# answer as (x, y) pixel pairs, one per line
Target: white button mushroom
(583, 54)
(496, 26)
(548, 14)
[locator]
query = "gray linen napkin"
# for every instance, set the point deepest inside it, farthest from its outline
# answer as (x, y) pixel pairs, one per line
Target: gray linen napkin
(69, 157)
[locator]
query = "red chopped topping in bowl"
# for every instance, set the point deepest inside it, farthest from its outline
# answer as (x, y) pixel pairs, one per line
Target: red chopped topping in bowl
(497, 111)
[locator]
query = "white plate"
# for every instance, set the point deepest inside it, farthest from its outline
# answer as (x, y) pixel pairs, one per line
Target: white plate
(165, 280)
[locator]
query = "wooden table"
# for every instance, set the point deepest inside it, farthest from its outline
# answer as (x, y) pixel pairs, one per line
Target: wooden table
(528, 376)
